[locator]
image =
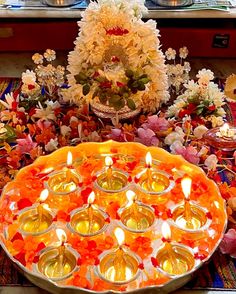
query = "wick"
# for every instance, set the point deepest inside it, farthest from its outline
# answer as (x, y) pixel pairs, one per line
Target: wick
(172, 258)
(90, 218)
(39, 219)
(61, 254)
(120, 265)
(188, 214)
(149, 178)
(109, 177)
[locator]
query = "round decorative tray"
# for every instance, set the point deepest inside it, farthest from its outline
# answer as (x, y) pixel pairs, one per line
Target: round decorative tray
(105, 217)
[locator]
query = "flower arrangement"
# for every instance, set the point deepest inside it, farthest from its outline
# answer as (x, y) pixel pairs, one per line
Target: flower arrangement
(178, 73)
(45, 80)
(117, 61)
(202, 101)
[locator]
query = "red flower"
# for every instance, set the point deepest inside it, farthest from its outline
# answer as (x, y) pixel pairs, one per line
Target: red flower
(105, 85)
(119, 84)
(115, 59)
(85, 194)
(31, 87)
(142, 246)
(117, 31)
(79, 278)
(154, 261)
(24, 202)
(211, 108)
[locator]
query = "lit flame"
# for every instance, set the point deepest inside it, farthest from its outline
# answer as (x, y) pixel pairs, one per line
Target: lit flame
(186, 185)
(131, 197)
(61, 235)
(69, 158)
(43, 195)
(47, 170)
(120, 236)
(165, 229)
(217, 205)
(149, 159)
(108, 161)
(91, 198)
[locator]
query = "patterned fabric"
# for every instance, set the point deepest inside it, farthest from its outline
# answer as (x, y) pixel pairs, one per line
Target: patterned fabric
(219, 273)
(8, 85)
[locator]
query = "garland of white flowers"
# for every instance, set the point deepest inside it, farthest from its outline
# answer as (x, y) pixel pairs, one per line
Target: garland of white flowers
(139, 43)
(205, 95)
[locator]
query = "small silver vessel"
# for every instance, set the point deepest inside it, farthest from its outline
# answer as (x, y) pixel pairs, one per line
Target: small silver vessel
(60, 3)
(173, 3)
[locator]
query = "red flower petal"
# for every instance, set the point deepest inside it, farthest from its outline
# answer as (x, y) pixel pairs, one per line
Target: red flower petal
(31, 87)
(24, 202)
(85, 194)
(208, 215)
(154, 261)
(97, 261)
(40, 247)
(17, 236)
(141, 266)
(21, 258)
(79, 261)
(36, 259)
(92, 245)
(199, 256)
(169, 213)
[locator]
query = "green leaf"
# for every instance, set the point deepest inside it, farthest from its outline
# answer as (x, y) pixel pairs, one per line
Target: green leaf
(86, 89)
(141, 86)
(126, 95)
(143, 76)
(9, 136)
(119, 104)
(134, 85)
(144, 80)
(103, 98)
(80, 78)
(131, 104)
(129, 73)
(193, 100)
(200, 106)
(199, 111)
(114, 98)
(206, 102)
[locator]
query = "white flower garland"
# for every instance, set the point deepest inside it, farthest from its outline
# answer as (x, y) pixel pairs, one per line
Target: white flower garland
(204, 94)
(139, 44)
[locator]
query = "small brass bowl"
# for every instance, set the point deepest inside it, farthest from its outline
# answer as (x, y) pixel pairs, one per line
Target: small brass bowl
(146, 217)
(106, 269)
(55, 179)
(184, 258)
(28, 222)
(200, 221)
(48, 264)
(79, 222)
(119, 181)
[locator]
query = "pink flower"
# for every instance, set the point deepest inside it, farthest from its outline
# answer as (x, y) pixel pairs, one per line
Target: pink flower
(43, 124)
(25, 145)
(211, 162)
(147, 137)
(117, 135)
(156, 123)
(189, 153)
(228, 244)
